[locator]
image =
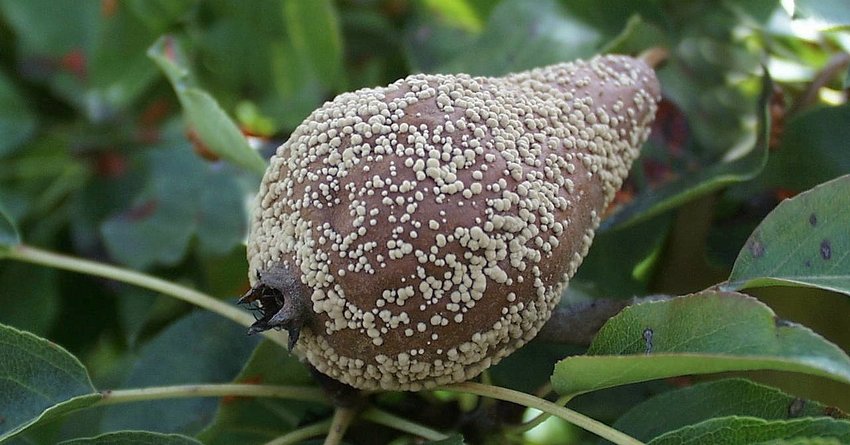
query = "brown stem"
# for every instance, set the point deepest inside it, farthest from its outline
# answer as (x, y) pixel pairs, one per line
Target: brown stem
(654, 56)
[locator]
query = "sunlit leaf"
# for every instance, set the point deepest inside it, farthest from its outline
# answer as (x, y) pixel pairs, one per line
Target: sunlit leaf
(736, 430)
(831, 13)
(803, 242)
(457, 12)
(701, 333)
(703, 401)
(39, 381)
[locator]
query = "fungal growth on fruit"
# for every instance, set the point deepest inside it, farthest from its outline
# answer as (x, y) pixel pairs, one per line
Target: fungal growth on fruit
(413, 235)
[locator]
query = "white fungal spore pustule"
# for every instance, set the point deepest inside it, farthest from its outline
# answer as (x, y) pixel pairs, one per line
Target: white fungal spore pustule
(434, 223)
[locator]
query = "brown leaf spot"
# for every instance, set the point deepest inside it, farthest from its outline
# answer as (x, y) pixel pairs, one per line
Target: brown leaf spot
(834, 412)
(813, 219)
(795, 409)
(756, 248)
(825, 249)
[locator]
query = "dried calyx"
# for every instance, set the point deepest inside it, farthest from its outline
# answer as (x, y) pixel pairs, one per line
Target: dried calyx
(415, 234)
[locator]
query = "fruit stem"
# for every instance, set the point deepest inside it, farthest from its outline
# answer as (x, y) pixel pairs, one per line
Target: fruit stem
(302, 393)
(654, 56)
(521, 398)
(45, 258)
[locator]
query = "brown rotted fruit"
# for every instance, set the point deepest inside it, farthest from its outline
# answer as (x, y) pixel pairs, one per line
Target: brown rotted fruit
(413, 235)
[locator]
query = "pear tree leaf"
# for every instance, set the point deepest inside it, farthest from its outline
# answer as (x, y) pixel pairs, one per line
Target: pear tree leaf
(134, 438)
(39, 381)
(200, 347)
(210, 121)
(256, 420)
(521, 35)
(804, 241)
(9, 236)
(313, 27)
(735, 430)
(703, 333)
(17, 120)
(729, 397)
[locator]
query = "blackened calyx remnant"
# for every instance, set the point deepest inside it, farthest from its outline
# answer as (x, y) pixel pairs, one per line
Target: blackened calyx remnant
(280, 302)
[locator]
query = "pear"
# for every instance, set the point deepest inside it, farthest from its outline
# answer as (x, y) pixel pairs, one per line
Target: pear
(414, 235)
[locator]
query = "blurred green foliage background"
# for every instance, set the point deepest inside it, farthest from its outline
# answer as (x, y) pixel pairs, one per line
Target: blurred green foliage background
(101, 159)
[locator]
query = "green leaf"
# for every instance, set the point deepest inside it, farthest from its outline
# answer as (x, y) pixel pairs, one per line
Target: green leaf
(520, 35)
(134, 438)
(183, 196)
(17, 121)
(703, 401)
(702, 333)
(313, 28)
(803, 441)
(259, 420)
(705, 181)
(201, 347)
(620, 262)
(39, 381)
(748, 430)
(29, 297)
(212, 124)
(814, 146)
(457, 12)
(9, 236)
(52, 27)
(803, 242)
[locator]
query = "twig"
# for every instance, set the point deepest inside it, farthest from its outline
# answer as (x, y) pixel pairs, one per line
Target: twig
(836, 65)
(37, 256)
(521, 398)
(339, 425)
(304, 393)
